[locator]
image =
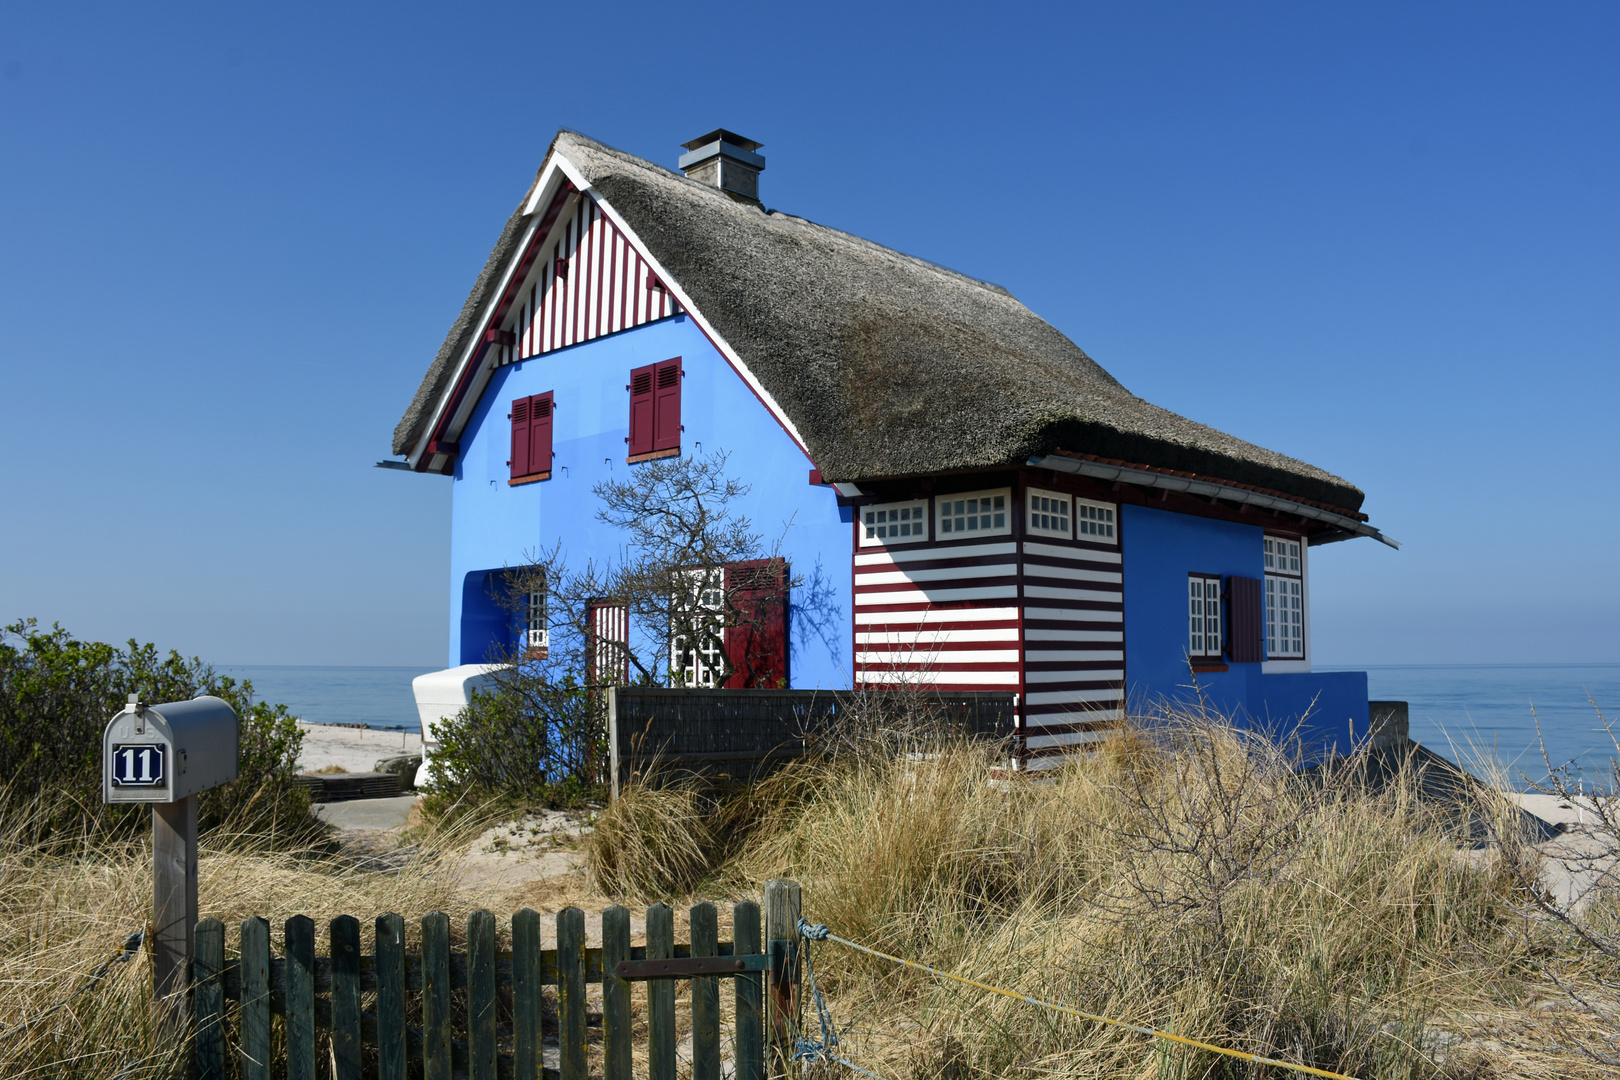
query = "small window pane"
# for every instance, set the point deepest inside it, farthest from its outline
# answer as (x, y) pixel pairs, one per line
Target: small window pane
(895, 522)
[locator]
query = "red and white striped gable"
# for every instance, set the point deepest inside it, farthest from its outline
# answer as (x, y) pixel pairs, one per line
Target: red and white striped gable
(588, 281)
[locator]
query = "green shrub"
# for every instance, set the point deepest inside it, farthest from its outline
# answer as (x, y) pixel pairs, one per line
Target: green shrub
(537, 739)
(57, 694)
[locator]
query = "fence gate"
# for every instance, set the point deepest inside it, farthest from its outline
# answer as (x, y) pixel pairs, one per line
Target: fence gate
(436, 1013)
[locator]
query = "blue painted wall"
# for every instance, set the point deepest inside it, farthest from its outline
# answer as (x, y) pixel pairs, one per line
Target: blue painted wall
(1160, 549)
(494, 525)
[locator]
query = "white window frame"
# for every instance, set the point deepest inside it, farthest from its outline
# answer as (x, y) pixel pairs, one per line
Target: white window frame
(984, 518)
(1285, 555)
(1040, 504)
(877, 521)
(1285, 610)
(1201, 621)
(700, 667)
(1104, 518)
(536, 621)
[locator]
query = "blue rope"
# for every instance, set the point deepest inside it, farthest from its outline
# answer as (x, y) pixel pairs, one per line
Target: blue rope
(823, 1049)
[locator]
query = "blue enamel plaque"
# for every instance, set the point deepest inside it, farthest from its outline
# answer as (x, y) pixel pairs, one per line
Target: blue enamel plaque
(139, 765)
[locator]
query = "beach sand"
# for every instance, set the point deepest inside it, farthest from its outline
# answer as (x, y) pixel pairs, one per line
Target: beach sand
(354, 749)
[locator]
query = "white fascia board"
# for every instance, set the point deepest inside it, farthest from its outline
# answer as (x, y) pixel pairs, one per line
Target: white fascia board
(690, 308)
(544, 190)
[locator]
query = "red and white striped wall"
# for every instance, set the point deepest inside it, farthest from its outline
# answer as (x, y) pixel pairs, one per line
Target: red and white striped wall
(588, 281)
(1041, 618)
(1074, 644)
(938, 615)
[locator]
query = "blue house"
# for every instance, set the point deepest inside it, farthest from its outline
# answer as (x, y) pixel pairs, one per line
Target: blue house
(986, 507)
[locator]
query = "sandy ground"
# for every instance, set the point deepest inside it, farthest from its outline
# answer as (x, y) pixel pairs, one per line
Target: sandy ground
(355, 749)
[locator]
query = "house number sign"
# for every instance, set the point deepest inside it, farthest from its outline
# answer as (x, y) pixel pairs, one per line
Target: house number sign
(139, 765)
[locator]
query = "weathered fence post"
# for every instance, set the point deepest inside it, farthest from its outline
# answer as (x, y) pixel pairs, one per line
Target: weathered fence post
(573, 1056)
(392, 1051)
(750, 996)
(526, 1035)
(661, 996)
(174, 906)
(255, 1038)
(436, 1061)
(346, 1044)
(705, 928)
(616, 1033)
(481, 995)
(782, 1000)
(298, 937)
(208, 992)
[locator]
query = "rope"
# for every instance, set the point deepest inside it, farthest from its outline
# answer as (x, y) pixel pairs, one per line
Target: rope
(812, 1049)
(821, 933)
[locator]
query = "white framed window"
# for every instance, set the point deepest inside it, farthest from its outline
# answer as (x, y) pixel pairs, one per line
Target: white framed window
(536, 626)
(1094, 521)
(894, 523)
(1285, 599)
(1282, 555)
(973, 513)
(1285, 618)
(1048, 514)
(697, 640)
(1203, 616)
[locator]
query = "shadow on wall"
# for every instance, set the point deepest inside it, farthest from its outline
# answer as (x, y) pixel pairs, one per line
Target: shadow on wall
(488, 630)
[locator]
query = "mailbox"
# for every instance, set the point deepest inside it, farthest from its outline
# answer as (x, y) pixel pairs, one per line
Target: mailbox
(163, 753)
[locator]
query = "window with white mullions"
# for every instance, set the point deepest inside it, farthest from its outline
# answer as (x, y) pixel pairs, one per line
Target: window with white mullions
(1048, 514)
(1285, 618)
(1094, 521)
(697, 642)
(1282, 556)
(536, 625)
(1285, 598)
(1203, 616)
(894, 523)
(975, 513)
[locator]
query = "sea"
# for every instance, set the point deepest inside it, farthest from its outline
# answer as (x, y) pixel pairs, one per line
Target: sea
(1513, 719)
(378, 697)
(1483, 716)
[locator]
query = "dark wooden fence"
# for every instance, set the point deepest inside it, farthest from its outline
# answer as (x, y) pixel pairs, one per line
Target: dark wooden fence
(740, 732)
(361, 1002)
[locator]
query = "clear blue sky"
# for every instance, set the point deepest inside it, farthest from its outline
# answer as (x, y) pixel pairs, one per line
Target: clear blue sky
(1379, 238)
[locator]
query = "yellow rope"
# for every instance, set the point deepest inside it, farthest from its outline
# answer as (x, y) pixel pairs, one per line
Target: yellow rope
(1243, 1055)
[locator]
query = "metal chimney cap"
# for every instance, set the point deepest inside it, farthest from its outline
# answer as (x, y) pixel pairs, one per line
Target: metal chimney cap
(722, 135)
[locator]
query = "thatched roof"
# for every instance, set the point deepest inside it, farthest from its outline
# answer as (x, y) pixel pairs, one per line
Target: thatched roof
(887, 365)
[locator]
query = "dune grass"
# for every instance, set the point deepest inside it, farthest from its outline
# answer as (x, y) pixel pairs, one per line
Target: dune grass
(67, 910)
(1193, 882)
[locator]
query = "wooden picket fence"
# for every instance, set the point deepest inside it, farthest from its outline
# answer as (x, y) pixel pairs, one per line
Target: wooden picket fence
(331, 993)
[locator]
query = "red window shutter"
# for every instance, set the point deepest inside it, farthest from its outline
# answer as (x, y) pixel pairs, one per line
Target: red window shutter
(1245, 606)
(540, 433)
(667, 408)
(520, 438)
(641, 410)
(757, 642)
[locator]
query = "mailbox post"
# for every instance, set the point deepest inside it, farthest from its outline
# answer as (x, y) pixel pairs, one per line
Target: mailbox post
(165, 755)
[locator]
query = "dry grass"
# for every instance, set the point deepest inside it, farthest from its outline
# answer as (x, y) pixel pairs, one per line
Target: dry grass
(1198, 885)
(66, 912)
